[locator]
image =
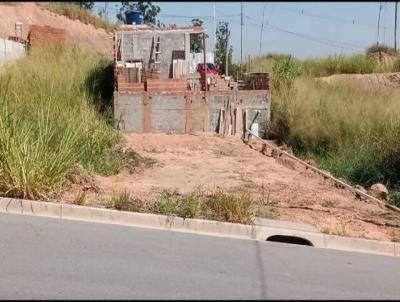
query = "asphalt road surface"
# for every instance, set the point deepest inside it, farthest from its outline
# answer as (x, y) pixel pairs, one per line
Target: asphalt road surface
(44, 258)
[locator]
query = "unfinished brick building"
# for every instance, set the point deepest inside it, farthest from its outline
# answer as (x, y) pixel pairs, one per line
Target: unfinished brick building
(157, 87)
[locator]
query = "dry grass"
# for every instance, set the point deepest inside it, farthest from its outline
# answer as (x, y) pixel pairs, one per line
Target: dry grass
(215, 205)
(351, 132)
(48, 122)
(79, 198)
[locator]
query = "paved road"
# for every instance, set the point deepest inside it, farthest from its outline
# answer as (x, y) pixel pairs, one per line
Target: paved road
(44, 258)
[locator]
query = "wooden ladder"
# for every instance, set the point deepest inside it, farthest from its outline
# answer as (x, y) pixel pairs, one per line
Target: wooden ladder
(157, 52)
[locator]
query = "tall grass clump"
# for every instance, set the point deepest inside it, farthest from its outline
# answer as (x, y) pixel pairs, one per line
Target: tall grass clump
(347, 128)
(350, 131)
(214, 205)
(48, 122)
(337, 64)
(75, 12)
(348, 64)
(284, 70)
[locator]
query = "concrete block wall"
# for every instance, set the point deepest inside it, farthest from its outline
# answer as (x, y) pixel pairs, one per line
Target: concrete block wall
(170, 41)
(10, 50)
(186, 112)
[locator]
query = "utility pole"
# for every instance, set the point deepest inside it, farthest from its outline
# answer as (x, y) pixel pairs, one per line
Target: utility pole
(226, 49)
(105, 10)
(215, 29)
(395, 27)
(241, 35)
(384, 24)
(379, 20)
(262, 27)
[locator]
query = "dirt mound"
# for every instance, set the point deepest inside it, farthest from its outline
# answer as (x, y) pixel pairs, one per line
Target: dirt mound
(386, 80)
(86, 35)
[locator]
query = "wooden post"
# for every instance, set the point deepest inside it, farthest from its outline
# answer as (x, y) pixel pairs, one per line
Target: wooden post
(245, 113)
(395, 27)
(226, 50)
(205, 62)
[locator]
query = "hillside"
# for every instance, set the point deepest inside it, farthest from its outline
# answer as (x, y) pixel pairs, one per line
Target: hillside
(86, 35)
(385, 80)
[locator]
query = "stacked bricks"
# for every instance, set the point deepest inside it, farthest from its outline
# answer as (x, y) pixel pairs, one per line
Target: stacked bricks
(169, 85)
(44, 35)
(124, 85)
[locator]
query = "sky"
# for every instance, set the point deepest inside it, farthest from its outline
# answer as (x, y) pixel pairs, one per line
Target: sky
(303, 29)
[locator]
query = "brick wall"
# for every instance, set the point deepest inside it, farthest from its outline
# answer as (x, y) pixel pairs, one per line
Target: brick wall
(42, 35)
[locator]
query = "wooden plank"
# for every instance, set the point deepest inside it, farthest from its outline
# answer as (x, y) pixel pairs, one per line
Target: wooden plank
(221, 121)
(244, 131)
(239, 121)
(227, 118)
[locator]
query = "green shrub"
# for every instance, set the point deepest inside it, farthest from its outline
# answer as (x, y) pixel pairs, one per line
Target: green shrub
(284, 70)
(167, 203)
(395, 198)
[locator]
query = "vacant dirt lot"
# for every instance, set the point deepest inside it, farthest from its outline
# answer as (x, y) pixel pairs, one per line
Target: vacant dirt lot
(285, 190)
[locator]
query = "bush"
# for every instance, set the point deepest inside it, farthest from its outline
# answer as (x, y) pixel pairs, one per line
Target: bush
(48, 122)
(358, 63)
(376, 48)
(284, 71)
(395, 198)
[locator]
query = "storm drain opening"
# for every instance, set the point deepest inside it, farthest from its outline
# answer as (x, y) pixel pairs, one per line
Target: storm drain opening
(289, 239)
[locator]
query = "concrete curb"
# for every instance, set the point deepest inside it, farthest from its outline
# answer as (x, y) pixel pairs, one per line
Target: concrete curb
(259, 231)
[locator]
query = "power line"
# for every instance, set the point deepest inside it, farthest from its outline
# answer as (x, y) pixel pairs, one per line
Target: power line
(343, 45)
(318, 40)
(262, 26)
(379, 20)
(241, 33)
(325, 17)
(331, 42)
(395, 26)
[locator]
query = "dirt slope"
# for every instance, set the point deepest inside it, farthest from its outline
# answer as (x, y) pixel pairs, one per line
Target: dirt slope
(86, 35)
(290, 192)
(376, 79)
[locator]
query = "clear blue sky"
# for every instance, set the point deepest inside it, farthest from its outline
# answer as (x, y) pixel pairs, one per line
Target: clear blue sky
(304, 29)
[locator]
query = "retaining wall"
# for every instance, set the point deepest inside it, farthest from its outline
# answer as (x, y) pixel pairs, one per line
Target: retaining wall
(10, 50)
(186, 112)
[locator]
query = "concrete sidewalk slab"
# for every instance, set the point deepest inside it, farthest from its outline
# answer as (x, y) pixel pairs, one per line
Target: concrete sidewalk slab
(285, 224)
(359, 245)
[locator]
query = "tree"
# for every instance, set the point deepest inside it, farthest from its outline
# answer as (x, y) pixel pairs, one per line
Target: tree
(196, 43)
(84, 4)
(149, 10)
(220, 47)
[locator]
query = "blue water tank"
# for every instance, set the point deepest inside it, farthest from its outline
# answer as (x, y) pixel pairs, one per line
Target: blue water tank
(133, 17)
